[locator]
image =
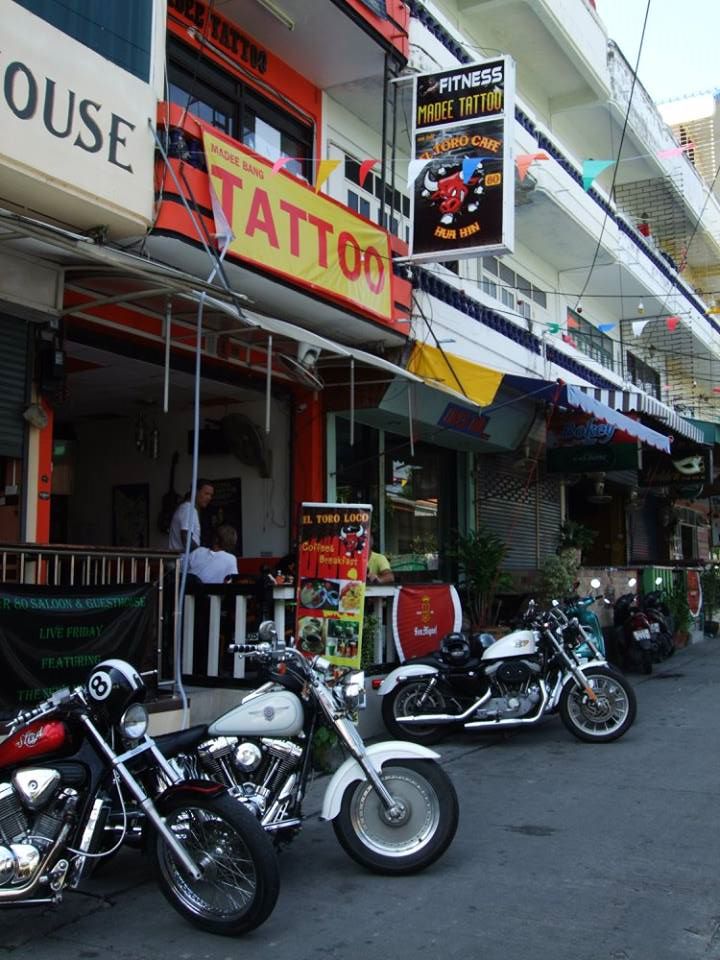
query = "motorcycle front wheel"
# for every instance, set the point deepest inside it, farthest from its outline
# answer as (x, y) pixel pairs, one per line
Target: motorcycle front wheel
(608, 716)
(240, 881)
(420, 830)
(412, 698)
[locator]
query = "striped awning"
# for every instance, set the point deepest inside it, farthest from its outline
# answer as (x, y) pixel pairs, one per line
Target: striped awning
(630, 401)
(463, 379)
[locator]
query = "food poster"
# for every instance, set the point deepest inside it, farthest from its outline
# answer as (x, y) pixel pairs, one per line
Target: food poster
(332, 564)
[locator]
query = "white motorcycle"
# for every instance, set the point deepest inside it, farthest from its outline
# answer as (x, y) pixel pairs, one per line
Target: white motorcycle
(393, 807)
(479, 683)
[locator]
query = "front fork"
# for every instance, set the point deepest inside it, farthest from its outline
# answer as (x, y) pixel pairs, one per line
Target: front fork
(146, 804)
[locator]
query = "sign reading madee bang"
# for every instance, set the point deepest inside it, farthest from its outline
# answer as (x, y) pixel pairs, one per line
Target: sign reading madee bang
(285, 227)
(50, 637)
(463, 192)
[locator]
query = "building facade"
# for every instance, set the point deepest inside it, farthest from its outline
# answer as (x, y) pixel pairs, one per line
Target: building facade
(204, 235)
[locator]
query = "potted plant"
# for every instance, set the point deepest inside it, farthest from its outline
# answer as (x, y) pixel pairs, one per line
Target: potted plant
(677, 601)
(558, 575)
(710, 582)
(575, 537)
(479, 555)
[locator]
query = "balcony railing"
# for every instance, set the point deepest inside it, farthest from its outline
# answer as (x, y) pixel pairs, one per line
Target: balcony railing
(215, 615)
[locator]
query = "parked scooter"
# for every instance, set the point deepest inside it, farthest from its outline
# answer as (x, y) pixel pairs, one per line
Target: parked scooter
(633, 637)
(393, 807)
(580, 607)
(660, 620)
(478, 683)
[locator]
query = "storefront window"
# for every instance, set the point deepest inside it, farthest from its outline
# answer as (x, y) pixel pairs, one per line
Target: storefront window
(418, 508)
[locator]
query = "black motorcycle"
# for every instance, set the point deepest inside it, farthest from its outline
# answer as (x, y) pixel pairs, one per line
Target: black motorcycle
(68, 761)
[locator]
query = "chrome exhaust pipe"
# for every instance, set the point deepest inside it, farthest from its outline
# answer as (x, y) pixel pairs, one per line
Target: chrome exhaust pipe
(426, 718)
(475, 724)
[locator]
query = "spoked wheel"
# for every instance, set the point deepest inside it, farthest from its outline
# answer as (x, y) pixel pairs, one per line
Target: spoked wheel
(240, 881)
(605, 718)
(410, 699)
(410, 837)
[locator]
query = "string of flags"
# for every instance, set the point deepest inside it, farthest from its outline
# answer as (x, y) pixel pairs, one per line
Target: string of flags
(591, 168)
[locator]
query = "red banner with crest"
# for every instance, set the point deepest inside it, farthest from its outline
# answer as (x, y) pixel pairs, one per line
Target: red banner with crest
(422, 615)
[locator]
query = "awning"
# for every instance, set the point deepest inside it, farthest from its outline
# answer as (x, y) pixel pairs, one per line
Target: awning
(463, 379)
(569, 395)
(631, 401)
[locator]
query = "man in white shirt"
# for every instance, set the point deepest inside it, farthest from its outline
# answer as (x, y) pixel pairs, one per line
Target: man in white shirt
(186, 519)
(219, 563)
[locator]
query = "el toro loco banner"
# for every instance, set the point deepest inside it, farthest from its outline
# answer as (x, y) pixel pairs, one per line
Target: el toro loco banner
(50, 637)
(463, 193)
(332, 564)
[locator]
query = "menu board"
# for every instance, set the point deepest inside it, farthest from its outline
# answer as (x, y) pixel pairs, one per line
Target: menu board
(332, 564)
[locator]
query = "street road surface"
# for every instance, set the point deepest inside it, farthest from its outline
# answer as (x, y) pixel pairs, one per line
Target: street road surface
(565, 851)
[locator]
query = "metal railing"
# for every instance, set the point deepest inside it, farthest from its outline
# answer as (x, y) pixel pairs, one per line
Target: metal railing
(214, 615)
(87, 566)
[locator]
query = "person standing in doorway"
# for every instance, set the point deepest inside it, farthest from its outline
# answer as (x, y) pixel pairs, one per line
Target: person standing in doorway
(186, 519)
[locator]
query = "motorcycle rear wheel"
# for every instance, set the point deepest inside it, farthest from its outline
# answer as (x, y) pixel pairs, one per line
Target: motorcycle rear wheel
(418, 837)
(240, 883)
(404, 700)
(608, 717)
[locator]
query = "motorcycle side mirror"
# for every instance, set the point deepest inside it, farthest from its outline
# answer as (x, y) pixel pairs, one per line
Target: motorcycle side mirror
(595, 583)
(631, 582)
(267, 632)
(556, 603)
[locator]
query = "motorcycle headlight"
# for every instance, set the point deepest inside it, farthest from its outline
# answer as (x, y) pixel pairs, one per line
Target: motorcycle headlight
(134, 722)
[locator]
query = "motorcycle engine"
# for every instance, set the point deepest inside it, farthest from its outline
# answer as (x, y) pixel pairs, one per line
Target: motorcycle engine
(515, 688)
(253, 771)
(31, 817)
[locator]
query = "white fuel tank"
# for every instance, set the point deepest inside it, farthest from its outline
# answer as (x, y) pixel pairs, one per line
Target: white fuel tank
(516, 644)
(273, 713)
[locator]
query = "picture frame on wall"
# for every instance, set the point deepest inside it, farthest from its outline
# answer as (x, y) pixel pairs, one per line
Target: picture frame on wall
(131, 515)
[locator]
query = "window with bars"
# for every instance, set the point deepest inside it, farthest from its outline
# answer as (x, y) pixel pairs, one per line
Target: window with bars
(589, 340)
(366, 200)
(643, 375)
(511, 288)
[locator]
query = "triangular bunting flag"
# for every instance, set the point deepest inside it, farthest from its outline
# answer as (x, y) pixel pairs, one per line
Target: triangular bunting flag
(469, 166)
(568, 339)
(524, 160)
(280, 163)
(325, 168)
(605, 327)
(572, 322)
(716, 389)
(593, 169)
(638, 326)
(672, 323)
(223, 230)
(414, 168)
(365, 168)
(553, 328)
(674, 151)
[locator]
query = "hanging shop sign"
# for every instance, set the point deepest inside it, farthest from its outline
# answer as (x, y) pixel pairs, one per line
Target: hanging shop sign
(51, 636)
(286, 228)
(422, 615)
(333, 556)
(76, 142)
(685, 471)
(694, 592)
(462, 180)
(577, 443)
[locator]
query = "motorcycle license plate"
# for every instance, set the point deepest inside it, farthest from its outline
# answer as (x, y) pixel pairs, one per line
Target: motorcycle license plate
(641, 634)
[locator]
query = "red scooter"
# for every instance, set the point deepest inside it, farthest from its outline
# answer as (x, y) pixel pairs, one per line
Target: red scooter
(633, 635)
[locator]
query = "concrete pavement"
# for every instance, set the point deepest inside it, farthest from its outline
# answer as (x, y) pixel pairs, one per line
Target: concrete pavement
(565, 850)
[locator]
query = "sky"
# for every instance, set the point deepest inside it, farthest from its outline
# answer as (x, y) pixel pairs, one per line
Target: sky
(680, 50)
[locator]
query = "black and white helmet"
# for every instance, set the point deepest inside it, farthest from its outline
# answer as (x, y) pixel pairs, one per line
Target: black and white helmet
(113, 685)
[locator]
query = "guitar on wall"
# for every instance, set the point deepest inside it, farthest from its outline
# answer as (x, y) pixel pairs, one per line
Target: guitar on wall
(170, 499)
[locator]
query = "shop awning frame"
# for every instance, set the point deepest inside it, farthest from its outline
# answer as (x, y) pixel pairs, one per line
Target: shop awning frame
(574, 396)
(632, 401)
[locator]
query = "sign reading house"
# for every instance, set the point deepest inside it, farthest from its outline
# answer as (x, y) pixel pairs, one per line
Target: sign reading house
(462, 183)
